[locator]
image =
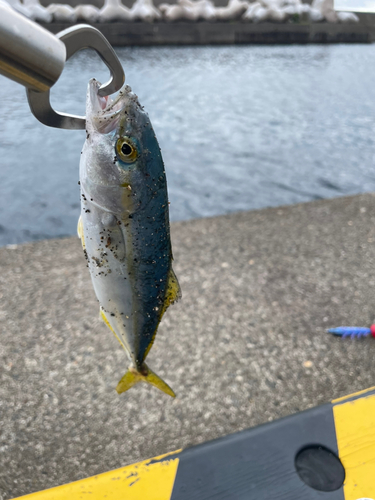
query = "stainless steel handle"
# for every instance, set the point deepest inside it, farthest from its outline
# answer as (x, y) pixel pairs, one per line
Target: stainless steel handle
(29, 54)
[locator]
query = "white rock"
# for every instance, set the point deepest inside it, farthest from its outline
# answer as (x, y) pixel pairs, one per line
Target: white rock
(315, 15)
(38, 12)
(234, 10)
(144, 10)
(261, 15)
(347, 17)
(206, 10)
(87, 12)
(171, 12)
(250, 11)
(62, 13)
(304, 8)
(276, 15)
(19, 7)
(271, 4)
(189, 9)
(326, 9)
(114, 10)
(290, 10)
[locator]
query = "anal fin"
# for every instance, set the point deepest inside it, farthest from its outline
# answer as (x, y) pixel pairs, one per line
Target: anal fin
(104, 318)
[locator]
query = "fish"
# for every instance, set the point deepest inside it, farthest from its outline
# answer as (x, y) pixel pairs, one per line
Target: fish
(124, 226)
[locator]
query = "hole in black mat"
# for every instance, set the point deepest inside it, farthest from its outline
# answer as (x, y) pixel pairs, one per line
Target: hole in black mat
(320, 468)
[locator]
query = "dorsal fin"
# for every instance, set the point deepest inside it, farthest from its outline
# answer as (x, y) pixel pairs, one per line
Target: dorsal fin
(173, 293)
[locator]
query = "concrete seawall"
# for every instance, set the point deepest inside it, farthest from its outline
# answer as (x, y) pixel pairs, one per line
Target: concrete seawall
(246, 344)
(205, 33)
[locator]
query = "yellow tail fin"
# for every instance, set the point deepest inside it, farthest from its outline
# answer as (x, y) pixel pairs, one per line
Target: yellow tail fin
(132, 377)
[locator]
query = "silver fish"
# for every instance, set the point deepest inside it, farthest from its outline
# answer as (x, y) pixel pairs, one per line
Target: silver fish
(124, 226)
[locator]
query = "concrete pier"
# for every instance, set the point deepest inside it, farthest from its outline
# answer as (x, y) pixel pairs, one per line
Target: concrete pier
(203, 33)
(246, 344)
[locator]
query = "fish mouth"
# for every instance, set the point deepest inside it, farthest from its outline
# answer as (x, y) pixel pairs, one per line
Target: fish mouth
(105, 111)
(111, 103)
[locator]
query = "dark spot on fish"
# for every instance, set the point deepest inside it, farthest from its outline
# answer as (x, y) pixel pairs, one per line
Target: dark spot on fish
(112, 314)
(79, 183)
(108, 241)
(88, 211)
(97, 261)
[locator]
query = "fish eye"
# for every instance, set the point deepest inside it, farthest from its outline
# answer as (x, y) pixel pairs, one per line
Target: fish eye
(126, 150)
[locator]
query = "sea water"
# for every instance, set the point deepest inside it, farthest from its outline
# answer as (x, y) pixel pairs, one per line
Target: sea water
(240, 128)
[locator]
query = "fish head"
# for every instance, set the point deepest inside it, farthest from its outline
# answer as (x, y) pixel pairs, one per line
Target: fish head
(121, 165)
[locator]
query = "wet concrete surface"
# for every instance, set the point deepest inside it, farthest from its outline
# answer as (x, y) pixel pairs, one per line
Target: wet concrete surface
(246, 344)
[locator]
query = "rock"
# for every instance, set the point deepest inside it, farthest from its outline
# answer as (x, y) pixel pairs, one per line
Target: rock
(87, 12)
(326, 9)
(114, 10)
(189, 10)
(144, 10)
(62, 13)
(172, 12)
(276, 15)
(251, 10)
(19, 7)
(315, 15)
(347, 17)
(234, 10)
(38, 12)
(206, 10)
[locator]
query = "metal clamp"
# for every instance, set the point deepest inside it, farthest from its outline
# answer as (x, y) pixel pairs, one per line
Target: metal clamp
(77, 38)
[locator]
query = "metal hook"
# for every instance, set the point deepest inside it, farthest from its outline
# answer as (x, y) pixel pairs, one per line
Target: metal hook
(76, 38)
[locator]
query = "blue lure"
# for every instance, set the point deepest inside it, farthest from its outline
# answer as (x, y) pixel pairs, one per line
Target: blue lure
(354, 332)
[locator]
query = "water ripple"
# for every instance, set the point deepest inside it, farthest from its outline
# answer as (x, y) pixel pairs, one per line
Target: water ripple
(240, 127)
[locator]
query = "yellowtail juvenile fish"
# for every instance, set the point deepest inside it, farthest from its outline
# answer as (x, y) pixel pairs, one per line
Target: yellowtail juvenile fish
(124, 226)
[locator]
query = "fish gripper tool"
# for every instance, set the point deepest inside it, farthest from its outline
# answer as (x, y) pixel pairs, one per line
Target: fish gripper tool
(35, 58)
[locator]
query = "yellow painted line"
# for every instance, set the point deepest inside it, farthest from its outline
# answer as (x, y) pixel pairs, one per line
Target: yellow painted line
(351, 396)
(152, 479)
(355, 431)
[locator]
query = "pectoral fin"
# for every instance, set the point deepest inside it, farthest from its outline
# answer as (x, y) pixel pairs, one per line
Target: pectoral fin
(80, 232)
(132, 377)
